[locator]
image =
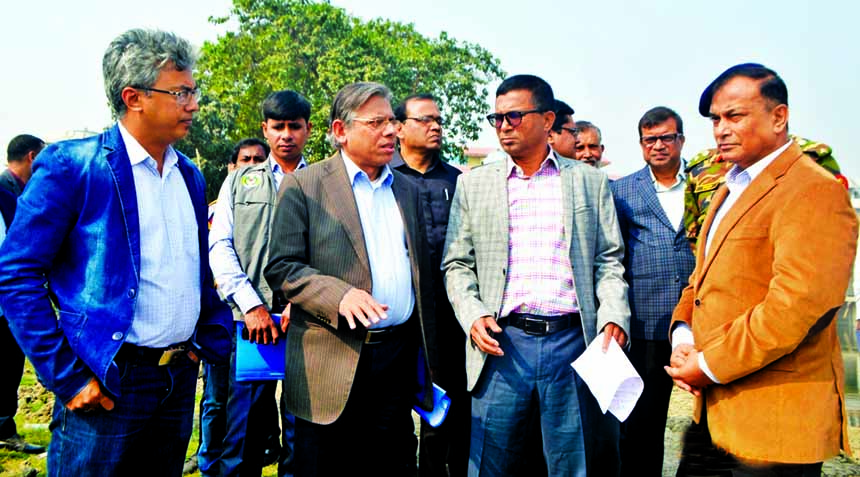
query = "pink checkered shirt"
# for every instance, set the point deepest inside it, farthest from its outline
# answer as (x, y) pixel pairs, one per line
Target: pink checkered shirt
(540, 276)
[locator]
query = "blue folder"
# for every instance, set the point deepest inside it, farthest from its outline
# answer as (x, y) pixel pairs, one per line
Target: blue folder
(441, 403)
(266, 362)
(259, 362)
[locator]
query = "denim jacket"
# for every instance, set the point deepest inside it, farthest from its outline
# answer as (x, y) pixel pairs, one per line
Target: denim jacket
(70, 265)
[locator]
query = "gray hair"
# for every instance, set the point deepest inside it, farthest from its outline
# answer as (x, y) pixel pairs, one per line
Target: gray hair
(583, 125)
(135, 59)
(350, 98)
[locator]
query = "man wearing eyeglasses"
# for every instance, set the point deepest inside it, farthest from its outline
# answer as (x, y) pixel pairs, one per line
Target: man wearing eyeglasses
(419, 159)
(114, 303)
(562, 135)
(589, 143)
(533, 271)
(349, 252)
(657, 265)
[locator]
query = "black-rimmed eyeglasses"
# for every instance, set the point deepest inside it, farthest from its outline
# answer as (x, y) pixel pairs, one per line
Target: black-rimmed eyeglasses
(514, 118)
(667, 139)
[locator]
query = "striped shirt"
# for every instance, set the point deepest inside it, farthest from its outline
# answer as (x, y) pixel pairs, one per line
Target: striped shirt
(540, 275)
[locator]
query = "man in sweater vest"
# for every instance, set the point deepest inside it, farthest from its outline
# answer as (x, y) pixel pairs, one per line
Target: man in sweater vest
(238, 248)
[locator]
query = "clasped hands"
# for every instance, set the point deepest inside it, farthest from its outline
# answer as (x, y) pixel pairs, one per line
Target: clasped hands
(685, 371)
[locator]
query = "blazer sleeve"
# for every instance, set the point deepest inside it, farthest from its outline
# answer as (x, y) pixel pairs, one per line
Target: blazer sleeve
(609, 284)
(808, 282)
(458, 261)
(46, 213)
(289, 266)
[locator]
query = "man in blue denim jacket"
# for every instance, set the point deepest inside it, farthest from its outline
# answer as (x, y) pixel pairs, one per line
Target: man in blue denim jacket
(104, 276)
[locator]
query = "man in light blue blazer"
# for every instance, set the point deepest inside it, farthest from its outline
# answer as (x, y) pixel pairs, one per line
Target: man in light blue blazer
(533, 270)
(657, 264)
(104, 276)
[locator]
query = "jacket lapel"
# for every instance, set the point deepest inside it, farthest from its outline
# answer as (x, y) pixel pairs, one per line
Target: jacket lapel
(755, 191)
(120, 166)
(410, 227)
(569, 198)
(338, 188)
(648, 193)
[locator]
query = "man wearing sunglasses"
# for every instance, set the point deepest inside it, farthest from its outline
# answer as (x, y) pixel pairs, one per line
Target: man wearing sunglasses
(533, 270)
(114, 303)
(657, 265)
(420, 138)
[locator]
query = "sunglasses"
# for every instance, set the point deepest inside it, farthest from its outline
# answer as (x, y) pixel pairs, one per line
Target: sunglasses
(514, 118)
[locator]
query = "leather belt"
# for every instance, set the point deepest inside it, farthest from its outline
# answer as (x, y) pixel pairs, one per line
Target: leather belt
(383, 335)
(538, 325)
(172, 354)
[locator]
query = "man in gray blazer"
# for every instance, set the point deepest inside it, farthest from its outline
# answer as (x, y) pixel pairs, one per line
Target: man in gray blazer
(349, 250)
(533, 271)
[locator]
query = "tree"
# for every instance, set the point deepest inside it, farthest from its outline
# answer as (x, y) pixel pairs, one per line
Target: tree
(315, 49)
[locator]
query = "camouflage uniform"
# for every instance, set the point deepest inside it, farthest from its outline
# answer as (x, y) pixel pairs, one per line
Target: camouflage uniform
(706, 172)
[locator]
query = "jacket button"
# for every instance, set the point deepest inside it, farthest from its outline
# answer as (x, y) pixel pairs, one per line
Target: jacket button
(697, 302)
(116, 336)
(131, 293)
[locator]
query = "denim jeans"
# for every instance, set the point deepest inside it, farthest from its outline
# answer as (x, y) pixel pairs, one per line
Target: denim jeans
(146, 433)
(213, 417)
(534, 375)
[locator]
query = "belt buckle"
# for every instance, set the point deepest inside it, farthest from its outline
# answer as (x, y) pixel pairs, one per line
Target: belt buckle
(368, 339)
(170, 355)
(535, 327)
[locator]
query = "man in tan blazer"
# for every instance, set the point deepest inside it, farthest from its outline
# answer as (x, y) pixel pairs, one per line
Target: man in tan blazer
(763, 356)
(349, 252)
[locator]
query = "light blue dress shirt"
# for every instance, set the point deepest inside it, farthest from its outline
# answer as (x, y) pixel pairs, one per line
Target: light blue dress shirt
(385, 239)
(168, 301)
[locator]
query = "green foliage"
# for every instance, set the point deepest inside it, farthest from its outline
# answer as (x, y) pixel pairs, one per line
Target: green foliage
(315, 49)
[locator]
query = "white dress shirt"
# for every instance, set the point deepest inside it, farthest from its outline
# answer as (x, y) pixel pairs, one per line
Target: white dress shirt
(168, 302)
(672, 197)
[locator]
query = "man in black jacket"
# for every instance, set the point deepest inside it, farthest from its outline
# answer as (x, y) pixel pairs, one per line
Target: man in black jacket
(420, 138)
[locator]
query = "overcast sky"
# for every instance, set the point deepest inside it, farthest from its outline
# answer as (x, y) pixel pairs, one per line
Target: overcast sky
(610, 60)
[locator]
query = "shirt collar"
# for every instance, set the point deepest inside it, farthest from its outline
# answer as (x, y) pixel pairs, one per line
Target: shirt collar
(680, 177)
(276, 168)
(354, 172)
(754, 170)
(551, 159)
(137, 154)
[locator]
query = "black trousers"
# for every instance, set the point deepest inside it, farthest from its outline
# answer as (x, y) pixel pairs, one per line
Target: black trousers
(701, 458)
(444, 451)
(367, 438)
(13, 364)
(642, 434)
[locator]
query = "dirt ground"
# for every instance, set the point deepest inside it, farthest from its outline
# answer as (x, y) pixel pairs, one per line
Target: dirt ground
(35, 405)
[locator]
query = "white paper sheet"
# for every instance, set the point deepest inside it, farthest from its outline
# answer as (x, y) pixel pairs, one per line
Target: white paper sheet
(610, 377)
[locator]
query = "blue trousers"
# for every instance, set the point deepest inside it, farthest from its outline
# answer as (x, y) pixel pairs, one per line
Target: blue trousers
(534, 375)
(146, 433)
(213, 417)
